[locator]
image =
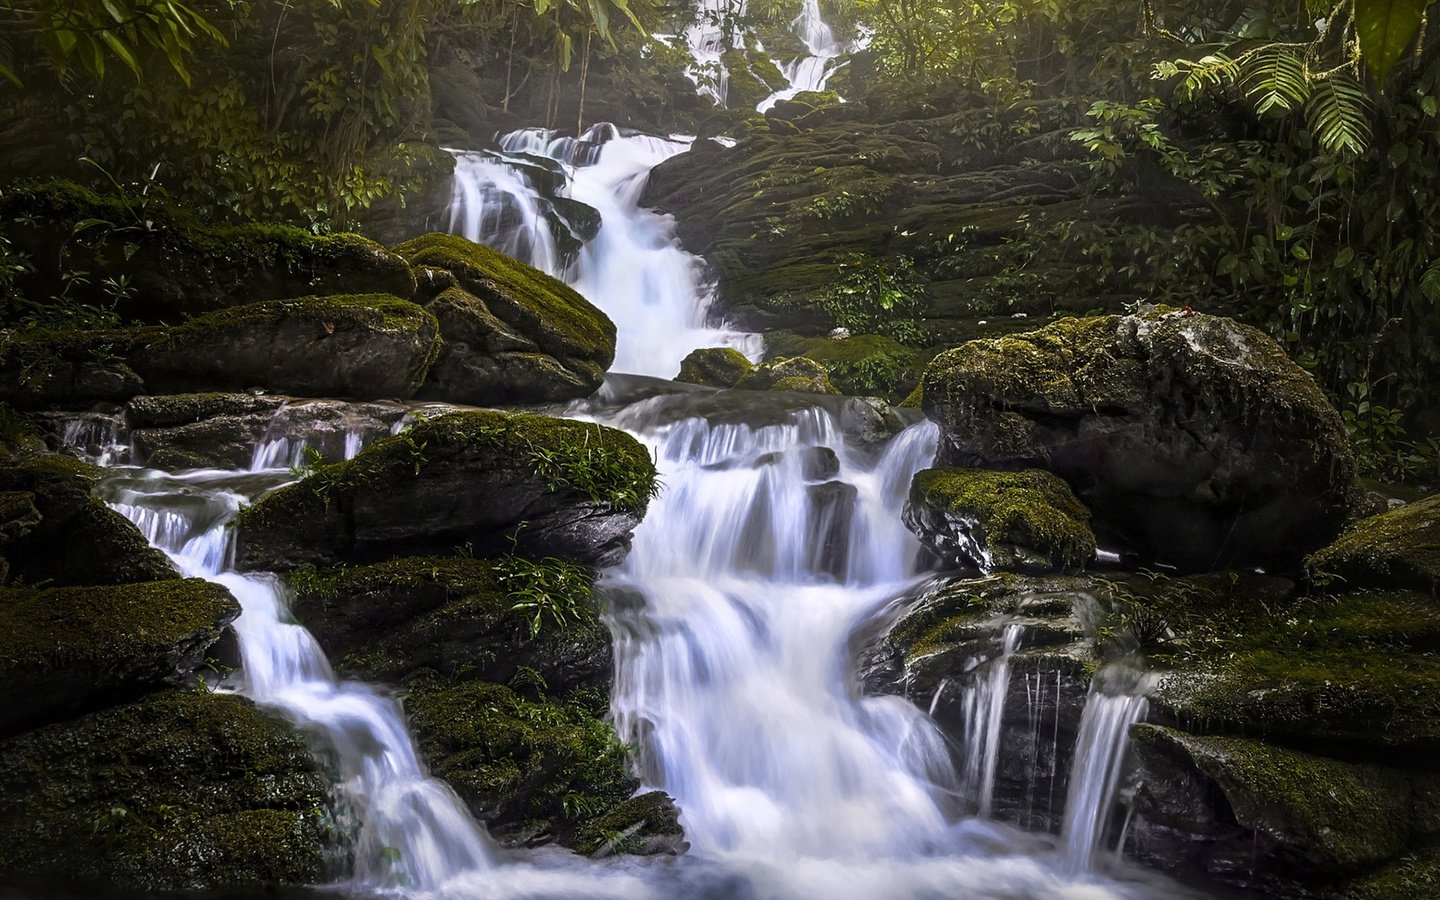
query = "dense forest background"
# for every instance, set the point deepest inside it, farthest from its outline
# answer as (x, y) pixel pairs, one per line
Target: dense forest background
(1291, 145)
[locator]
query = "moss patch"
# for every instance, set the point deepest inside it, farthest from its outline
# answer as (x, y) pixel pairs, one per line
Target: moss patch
(1399, 547)
(720, 367)
(178, 791)
(797, 374)
(864, 365)
(1001, 520)
(65, 649)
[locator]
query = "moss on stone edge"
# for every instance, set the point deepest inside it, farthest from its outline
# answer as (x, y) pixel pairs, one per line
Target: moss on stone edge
(1412, 876)
(179, 791)
(796, 374)
(1399, 547)
(581, 328)
(1342, 815)
(381, 312)
(628, 825)
(862, 365)
(602, 464)
(1032, 509)
(533, 769)
(720, 367)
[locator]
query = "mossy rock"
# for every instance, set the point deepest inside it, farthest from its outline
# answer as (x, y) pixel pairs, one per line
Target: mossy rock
(719, 367)
(1416, 873)
(172, 410)
(459, 617)
(1312, 815)
(1396, 548)
(66, 650)
(77, 539)
(493, 481)
(863, 365)
(178, 266)
(534, 770)
(1024, 521)
(1193, 439)
(372, 346)
(61, 369)
(178, 791)
(797, 375)
(512, 308)
(644, 825)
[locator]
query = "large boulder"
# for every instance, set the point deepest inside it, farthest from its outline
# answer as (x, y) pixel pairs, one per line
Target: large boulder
(175, 265)
(993, 521)
(795, 374)
(493, 482)
(61, 535)
(67, 650)
(868, 365)
(179, 791)
(512, 333)
(363, 345)
(1399, 548)
(1192, 438)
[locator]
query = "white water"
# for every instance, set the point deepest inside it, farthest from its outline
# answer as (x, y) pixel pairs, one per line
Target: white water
(812, 72)
(414, 832)
(984, 706)
(634, 268)
(1096, 774)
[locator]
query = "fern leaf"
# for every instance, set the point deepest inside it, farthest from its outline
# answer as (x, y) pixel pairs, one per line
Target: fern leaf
(1430, 283)
(1275, 80)
(1339, 114)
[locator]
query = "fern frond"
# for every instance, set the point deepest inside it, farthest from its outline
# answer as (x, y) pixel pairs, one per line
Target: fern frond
(1339, 114)
(1275, 80)
(1430, 283)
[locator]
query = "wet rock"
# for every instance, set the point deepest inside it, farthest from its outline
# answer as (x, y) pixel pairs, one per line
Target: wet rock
(832, 515)
(77, 540)
(645, 825)
(868, 365)
(66, 370)
(492, 481)
(796, 374)
(370, 346)
(819, 464)
(533, 770)
(720, 367)
(1000, 521)
(172, 410)
(1246, 811)
(1191, 438)
(178, 791)
(511, 333)
(1398, 548)
(18, 515)
(471, 618)
(68, 650)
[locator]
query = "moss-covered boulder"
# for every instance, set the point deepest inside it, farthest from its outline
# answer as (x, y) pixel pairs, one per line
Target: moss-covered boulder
(1193, 439)
(363, 345)
(55, 369)
(495, 482)
(474, 618)
(796, 375)
(1024, 521)
(719, 367)
(644, 825)
(74, 539)
(178, 791)
(1243, 805)
(534, 770)
(175, 265)
(512, 333)
(860, 365)
(67, 650)
(1396, 548)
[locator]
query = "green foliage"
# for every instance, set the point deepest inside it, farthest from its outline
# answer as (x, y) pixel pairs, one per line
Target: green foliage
(1385, 29)
(597, 471)
(549, 589)
(877, 296)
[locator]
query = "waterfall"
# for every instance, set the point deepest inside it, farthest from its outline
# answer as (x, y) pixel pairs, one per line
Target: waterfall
(634, 268)
(811, 72)
(1099, 766)
(414, 831)
(983, 704)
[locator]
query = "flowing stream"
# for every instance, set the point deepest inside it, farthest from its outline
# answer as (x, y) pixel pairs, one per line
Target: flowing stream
(776, 541)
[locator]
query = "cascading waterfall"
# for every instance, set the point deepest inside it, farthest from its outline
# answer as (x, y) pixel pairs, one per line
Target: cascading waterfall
(633, 268)
(811, 72)
(414, 831)
(984, 706)
(1099, 765)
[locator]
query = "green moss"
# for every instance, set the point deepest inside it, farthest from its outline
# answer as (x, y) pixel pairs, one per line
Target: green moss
(797, 374)
(177, 791)
(562, 322)
(1399, 547)
(63, 648)
(720, 367)
(626, 827)
(915, 399)
(524, 766)
(1033, 510)
(378, 312)
(1415, 874)
(863, 365)
(1338, 814)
